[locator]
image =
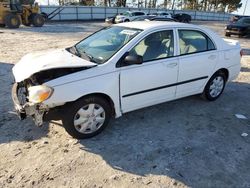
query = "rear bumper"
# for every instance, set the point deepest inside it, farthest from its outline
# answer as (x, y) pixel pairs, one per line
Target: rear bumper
(234, 32)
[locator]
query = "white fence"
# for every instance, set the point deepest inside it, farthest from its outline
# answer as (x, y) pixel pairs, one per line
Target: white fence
(100, 13)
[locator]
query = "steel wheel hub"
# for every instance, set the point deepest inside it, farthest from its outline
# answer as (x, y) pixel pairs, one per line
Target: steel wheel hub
(89, 118)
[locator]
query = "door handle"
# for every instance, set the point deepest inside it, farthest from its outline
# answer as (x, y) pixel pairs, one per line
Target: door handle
(171, 65)
(212, 57)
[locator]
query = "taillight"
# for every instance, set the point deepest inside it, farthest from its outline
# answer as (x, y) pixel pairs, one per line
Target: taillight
(241, 53)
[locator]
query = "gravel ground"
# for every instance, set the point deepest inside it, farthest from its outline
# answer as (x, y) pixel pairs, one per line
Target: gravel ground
(183, 143)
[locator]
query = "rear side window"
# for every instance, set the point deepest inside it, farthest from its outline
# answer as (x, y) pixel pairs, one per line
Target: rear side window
(191, 41)
(138, 13)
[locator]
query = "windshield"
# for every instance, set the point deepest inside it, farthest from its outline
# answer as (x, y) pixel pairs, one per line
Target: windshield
(126, 14)
(244, 20)
(103, 44)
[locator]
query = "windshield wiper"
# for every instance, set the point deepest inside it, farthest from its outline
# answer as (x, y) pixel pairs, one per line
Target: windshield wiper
(80, 54)
(91, 58)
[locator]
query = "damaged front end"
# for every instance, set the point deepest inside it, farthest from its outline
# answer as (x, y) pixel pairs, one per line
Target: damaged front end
(24, 107)
(29, 94)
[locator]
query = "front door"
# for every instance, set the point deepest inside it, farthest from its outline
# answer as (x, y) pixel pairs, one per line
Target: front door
(153, 81)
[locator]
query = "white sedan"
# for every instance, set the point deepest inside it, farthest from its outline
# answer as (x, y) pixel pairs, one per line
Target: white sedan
(120, 69)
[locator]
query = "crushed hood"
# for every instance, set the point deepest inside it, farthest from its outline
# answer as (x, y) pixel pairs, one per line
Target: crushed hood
(40, 61)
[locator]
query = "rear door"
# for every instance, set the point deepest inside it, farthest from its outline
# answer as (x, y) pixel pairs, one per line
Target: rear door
(198, 58)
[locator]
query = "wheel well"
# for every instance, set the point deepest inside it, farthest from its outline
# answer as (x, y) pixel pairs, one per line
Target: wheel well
(225, 71)
(104, 96)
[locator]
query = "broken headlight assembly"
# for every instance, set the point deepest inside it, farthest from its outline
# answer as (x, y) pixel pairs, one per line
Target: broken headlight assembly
(40, 93)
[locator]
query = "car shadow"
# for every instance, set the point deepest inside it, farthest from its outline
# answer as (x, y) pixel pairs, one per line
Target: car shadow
(10, 127)
(190, 140)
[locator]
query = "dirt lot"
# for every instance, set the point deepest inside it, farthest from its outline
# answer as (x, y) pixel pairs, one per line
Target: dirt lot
(184, 143)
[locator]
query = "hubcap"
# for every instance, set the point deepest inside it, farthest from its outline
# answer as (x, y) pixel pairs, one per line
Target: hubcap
(13, 21)
(89, 118)
(216, 86)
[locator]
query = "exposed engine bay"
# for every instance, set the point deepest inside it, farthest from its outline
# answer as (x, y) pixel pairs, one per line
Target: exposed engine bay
(47, 75)
(20, 92)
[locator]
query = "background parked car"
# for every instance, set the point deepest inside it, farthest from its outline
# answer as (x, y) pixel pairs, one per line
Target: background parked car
(163, 14)
(154, 18)
(182, 17)
(128, 16)
(142, 18)
(240, 27)
(235, 18)
(110, 19)
(159, 18)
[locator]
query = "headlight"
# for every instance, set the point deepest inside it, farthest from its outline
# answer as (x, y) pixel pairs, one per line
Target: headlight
(39, 93)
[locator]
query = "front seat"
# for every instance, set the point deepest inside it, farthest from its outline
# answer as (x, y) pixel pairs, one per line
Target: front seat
(155, 49)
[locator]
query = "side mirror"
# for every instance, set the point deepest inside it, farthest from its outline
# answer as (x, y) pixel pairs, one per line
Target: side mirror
(133, 60)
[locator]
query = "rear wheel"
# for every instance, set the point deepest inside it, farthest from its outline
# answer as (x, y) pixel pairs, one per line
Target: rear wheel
(2, 25)
(215, 86)
(37, 20)
(227, 34)
(12, 21)
(87, 117)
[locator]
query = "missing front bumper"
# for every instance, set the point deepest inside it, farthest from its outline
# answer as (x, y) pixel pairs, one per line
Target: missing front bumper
(27, 109)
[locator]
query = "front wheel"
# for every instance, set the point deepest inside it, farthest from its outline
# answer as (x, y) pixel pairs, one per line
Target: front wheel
(87, 117)
(12, 21)
(37, 20)
(215, 86)
(227, 34)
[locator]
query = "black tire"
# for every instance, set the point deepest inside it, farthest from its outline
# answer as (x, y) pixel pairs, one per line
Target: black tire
(37, 20)
(126, 20)
(71, 113)
(12, 21)
(2, 25)
(207, 91)
(227, 34)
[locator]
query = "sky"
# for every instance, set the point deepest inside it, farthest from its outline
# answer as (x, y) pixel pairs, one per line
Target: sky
(245, 3)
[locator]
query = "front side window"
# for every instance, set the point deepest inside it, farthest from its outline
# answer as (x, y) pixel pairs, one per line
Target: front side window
(155, 46)
(102, 45)
(128, 14)
(191, 41)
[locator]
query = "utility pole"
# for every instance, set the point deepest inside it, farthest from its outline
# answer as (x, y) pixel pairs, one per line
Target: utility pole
(173, 4)
(245, 8)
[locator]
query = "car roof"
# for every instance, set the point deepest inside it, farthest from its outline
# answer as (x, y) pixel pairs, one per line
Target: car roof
(131, 11)
(144, 25)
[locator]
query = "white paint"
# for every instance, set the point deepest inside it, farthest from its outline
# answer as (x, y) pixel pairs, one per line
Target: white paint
(39, 61)
(240, 116)
(117, 82)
